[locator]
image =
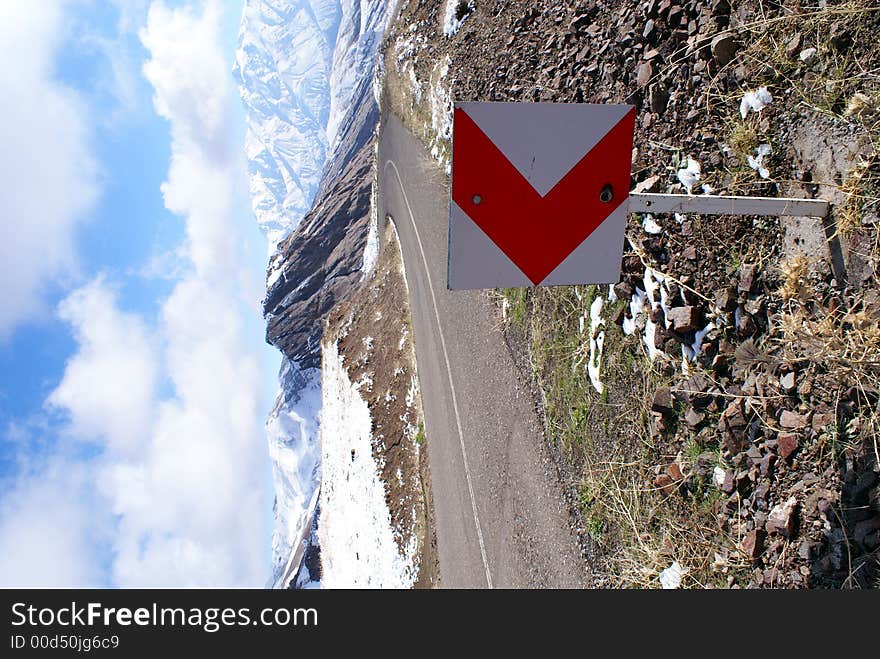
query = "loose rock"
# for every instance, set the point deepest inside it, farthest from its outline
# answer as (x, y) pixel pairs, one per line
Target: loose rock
(788, 444)
(787, 382)
(662, 402)
(792, 420)
(781, 519)
(747, 276)
(724, 48)
(684, 319)
(732, 426)
(753, 543)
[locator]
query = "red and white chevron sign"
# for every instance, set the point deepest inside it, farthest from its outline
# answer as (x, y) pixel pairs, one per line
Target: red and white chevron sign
(539, 193)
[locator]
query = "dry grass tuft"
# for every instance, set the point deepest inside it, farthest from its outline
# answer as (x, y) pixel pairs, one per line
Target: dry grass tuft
(846, 337)
(794, 273)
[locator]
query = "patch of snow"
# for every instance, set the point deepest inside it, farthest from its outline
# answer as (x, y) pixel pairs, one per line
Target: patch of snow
(414, 85)
(718, 475)
(379, 82)
(359, 546)
(649, 339)
(413, 391)
(807, 55)
(440, 98)
(371, 249)
(366, 382)
(689, 175)
(691, 352)
(275, 271)
(612, 296)
(756, 162)
(653, 282)
(451, 24)
(412, 429)
(406, 52)
(650, 226)
(755, 101)
(697, 345)
(597, 342)
(402, 342)
(670, 578)
(636, 308)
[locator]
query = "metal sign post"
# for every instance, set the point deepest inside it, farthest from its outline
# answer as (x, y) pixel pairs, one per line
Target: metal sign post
(645, 202)
(540, 195)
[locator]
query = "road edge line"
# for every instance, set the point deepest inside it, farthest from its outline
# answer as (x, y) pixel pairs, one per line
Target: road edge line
(467, 472)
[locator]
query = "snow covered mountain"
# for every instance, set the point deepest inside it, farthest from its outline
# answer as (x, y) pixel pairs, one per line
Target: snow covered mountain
(283, 67)
(302, 67)
(298, 64)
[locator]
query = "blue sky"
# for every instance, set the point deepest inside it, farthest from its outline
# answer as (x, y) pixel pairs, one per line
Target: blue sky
(134, 380)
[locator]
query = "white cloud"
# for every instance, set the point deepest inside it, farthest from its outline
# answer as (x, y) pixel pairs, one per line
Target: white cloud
(189, 73)
(108, 386)
(48, 179)
(172, 405)
(192, 507)
(49, 526)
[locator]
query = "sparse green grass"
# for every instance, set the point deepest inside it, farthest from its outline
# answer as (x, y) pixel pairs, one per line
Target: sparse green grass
(517, 299)
(743, 138)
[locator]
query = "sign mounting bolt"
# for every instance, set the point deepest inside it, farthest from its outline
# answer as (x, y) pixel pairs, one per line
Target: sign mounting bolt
(477, 199)
(606, 194)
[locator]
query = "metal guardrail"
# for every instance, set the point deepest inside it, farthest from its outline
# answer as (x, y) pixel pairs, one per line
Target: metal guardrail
(298, 551)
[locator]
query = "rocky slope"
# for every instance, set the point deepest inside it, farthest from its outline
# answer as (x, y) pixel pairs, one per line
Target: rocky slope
(320, 261)
(747, 455)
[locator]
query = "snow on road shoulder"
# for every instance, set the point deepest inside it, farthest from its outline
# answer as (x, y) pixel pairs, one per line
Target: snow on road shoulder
(371, 249)
(644, 305)
(456, 13)
(597, 342)
(358, 544)
(440, 97)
